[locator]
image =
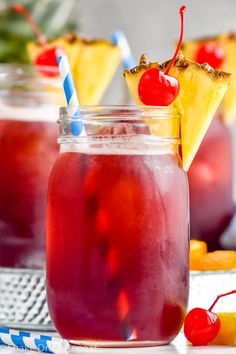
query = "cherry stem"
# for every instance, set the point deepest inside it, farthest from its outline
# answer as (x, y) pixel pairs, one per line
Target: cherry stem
(22, 10)
(181, 11)
(219, 297)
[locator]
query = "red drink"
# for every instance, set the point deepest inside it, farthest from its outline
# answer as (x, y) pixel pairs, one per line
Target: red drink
(211, 185)
(117, 241)
(27, 152)
(28, 148)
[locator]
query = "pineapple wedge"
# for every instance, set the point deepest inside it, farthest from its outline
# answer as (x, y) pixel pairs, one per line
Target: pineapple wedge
(228, 43)
(96, 65)
(201, 91)
(227, 332)
(69, 42)
(93, 64)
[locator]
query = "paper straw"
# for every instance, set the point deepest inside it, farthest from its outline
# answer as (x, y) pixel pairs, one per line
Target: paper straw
(27, 334)
(67, 79)
(69, 90)
(27, 340)
(119, 39)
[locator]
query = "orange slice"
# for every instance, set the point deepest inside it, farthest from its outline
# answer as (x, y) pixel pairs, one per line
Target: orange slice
(217, 260)
(197, 249)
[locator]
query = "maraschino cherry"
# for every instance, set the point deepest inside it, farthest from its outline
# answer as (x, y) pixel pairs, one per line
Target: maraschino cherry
(202, 326)
(211, 53)
(157, 88)
(47, 57)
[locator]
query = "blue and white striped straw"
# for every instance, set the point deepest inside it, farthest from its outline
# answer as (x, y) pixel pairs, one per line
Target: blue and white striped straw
(69, 90)
(67, 79)
(118, 38)
(27, 340)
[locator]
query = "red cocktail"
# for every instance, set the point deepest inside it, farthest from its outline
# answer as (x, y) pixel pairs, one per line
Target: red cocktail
(211, 185)
(117, 232)
(28, 149)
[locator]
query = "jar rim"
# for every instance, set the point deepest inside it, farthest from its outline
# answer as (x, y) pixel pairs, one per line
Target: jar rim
(112, 120)
(87, 112)
(12, 74)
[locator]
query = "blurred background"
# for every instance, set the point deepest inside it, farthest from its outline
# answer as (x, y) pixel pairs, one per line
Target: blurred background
(151, 26)
(54, 17)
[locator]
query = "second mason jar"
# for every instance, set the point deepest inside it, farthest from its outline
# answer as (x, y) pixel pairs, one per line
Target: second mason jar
(29, 103)
(117, 228)
(211, 185)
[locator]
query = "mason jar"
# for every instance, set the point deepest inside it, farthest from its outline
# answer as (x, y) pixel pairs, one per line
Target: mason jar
(211, 185)
(118, 227)
(28, 112)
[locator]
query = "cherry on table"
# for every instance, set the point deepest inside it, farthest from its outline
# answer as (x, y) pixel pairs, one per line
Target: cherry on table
(211, 53)
(201, 326)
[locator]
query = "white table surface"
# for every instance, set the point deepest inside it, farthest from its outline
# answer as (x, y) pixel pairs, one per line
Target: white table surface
(179, 346)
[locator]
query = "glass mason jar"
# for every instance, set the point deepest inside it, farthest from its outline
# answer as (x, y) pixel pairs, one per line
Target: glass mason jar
(28, 110)
(118, 228)
(211, 185)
